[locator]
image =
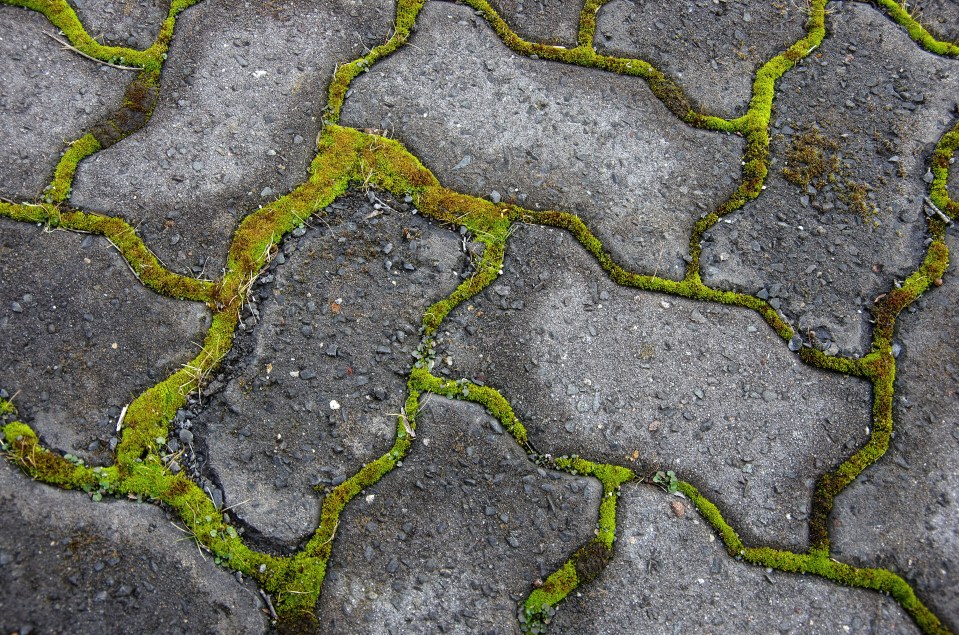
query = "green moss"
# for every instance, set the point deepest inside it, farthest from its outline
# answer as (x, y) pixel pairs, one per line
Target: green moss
(587, 22)
(945, 152)
(348, 157)
(898, 12)
(817, 562)
(667, 90)
(406, 13)
(80, 149)
(123, 236)
(62, 16)
(24, 450)
(7, 407)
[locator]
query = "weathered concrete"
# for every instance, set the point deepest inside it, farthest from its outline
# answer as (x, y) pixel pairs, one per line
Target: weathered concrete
(484, 120)
(655, 382)
(72, 350)
(453, 541)
(234, 127)
(835, 243)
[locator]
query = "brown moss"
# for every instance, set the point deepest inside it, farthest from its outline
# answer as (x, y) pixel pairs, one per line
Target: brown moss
(810, 159)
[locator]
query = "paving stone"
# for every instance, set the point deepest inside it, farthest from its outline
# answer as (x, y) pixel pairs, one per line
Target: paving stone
(234, 127)
(902, 513)
(548, 135)
(334, 325)
(711, 49)
(940, 17)
(653, 382)
(72, 350)
(835, 243)
(547, 21)
(133, 23)
(672, 575)
(68, 564)
(428, 549)
(36, 74)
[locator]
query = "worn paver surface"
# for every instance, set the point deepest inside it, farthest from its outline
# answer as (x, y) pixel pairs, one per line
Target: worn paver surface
(489, 316)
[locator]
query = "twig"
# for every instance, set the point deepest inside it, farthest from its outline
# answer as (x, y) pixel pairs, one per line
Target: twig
(123, 413)
(939, 212)
(269, 604)
(70, 47)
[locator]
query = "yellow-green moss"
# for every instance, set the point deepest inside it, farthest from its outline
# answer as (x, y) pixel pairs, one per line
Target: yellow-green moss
(80, 149)
(916, 31)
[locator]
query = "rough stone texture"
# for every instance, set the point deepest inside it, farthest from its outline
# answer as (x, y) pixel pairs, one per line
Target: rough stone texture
(69, 565)
(453, 540)
(239, 109)
(547, 21)
(940, 17)
(548, 136)
(72, 350)
(712, 49)
(902, 513)
(36, 74)
(671, 575)
(885, 103)
(615, 374)
(133, 23)
(346, 325)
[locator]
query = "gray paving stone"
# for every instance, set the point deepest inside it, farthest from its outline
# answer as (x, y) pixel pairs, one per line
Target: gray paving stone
(133, 23)
(670, 574)
(37, 74)
(431, 547)
(334, 325)
(548, 135)
(884, 103)
(547, 21)
(711, 49)
(902, 513)
(72, 350)
(69, 565)
(234, 127)
(654, 382)
(940, 17)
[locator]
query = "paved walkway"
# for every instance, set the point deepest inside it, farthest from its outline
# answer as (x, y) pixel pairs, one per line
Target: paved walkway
(379, 316)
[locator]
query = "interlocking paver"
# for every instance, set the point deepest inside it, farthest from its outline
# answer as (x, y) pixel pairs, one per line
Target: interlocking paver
(134, 23)
(337, 322)
(69, 566)
(707, 360)
(486, 120)
(239, 107)
(630, 377)
(452, 541)
(841, 216)
(38, 73)
(669, 576)
(712, 48)
(904, 513)
(547, 21)
(72, 318)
